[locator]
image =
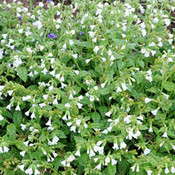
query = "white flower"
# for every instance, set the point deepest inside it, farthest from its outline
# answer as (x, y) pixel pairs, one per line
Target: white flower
(20, 30)
(153, 52)
(48, 123)
(1, 88)
(17, 108)
(85, 125)
(63, 163)
(23, 127)
(37, 172)
(154, 112)
(161, 144)
(1, 53)
(98, 167)
(87, 61)
(55, 140)
(22, 153)
(173, 169)
(150, 129)
(146, 151)
(45, 97)
(143, 32)
(21, 167)
(1, 117)
(140, 118)
(124, 86)
(1, 151)
(119, 89)
(165, 135)
(79, 105)
(27, 113)
(55, 102)
(103, 59)
(71, 42)
(77, 153)
(4, 36)
(91, 153)
(127, 119)
(147, 100)
(72, 32)
(137, 169)
(122, 145)
(73, 128)
(114, 162)
(149, 172)
(41, 47)
(167, 22)
(75, 56)
(32, 116)
(38, 24)
(112, 58)
(78, 122)
(29, 171)
(166, 171)
(146, 54)
(170, 60)
(155, 20)
(103, 85)
(71, 158)
(149, 78)
(96, 49)
(108, 114)
(133, 167)
(123, 47)
(67, 105)
(107, 160)
(92, 98)
(115, 146)
(160, 44)
(26, 98)
(6, 149)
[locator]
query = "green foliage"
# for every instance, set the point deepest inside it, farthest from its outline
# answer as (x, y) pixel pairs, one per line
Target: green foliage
(87, 88)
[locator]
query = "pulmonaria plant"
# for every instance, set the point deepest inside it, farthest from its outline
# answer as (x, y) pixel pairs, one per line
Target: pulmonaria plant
(87, 88)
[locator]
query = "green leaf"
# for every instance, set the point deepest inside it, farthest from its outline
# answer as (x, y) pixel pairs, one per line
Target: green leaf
(80, 140)
(143, 127)
(96, 117)
(96, 125)
(82, 163)
(17, 118)
(169, 86)
(22, 73)
(110, 170)
(11, 131)
(61, 134)
(123, 167)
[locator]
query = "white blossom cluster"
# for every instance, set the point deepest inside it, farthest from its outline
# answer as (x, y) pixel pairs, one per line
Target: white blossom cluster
(87, 88)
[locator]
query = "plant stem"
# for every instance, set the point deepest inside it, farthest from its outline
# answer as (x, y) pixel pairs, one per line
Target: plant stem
(31, 4)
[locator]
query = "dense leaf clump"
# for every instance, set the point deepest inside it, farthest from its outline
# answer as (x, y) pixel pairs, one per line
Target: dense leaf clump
(87, 88)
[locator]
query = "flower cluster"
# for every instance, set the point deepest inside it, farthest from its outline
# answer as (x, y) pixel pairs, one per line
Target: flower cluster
(87, 88)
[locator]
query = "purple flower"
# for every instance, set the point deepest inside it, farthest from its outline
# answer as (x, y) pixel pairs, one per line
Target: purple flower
(51, 35)
(81, 33)
(20, 18)
(48, 1)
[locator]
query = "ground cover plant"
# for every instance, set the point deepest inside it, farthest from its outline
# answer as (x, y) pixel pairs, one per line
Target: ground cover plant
(87, 88)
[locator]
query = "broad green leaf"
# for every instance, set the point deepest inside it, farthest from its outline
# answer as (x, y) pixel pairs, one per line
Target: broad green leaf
(169, 86)
(11, 131)
(17, 118)
(123, 167)
(96, 117)
(22, 73)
